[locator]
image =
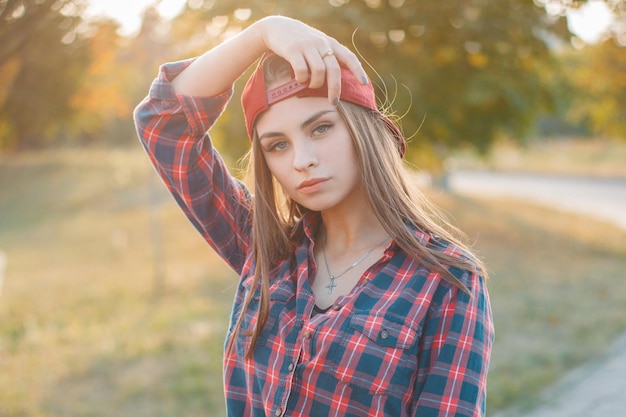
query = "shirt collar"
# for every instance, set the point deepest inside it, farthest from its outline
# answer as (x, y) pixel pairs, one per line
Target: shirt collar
(310, 224)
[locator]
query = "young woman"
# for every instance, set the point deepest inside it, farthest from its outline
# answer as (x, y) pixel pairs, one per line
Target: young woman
(354, 300)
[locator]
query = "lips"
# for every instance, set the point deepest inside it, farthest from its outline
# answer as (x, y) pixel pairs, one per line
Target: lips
(311, 185)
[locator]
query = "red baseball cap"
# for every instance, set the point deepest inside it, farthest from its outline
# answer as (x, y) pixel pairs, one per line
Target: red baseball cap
(256, 98)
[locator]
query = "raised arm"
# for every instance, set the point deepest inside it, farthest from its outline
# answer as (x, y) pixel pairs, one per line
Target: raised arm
(188, 97)
(301, 45)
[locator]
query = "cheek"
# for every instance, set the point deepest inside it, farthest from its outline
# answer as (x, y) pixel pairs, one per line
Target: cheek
(279, 169)
(350, 166)
(343, 154)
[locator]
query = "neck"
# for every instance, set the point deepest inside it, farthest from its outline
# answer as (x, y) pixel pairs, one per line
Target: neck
(349, 230)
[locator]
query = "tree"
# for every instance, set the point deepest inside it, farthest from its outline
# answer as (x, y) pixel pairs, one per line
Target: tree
(598, 74)
(102, 101)
(461, 72)
(41, 61)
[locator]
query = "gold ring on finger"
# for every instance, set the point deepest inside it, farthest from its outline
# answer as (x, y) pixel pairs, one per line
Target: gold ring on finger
(328, 53)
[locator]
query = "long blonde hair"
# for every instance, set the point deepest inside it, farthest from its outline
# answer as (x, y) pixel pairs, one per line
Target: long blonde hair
(398, 205)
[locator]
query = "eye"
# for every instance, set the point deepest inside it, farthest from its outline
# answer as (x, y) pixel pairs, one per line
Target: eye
(321, 129)
(278, 145)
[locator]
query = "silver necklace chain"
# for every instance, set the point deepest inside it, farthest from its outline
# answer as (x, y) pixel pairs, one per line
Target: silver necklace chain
(333, 277)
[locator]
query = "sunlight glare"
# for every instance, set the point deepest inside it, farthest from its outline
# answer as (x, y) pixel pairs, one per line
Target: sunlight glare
(128, 13)
(591, 21)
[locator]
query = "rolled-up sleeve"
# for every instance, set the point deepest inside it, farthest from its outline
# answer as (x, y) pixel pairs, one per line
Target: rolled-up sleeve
(173, 130)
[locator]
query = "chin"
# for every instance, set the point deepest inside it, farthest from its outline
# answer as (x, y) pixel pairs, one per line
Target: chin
(318, 205)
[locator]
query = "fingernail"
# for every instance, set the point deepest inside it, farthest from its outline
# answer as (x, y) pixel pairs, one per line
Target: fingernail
(336, 101)
(364, 80)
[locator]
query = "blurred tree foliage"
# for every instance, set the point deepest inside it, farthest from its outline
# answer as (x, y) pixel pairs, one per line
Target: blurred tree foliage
(458, 72)
(598, 75)
(118, 76)
(42, 59)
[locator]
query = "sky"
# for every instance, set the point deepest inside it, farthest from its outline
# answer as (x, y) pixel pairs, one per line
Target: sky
(128, 12)
(588, 23)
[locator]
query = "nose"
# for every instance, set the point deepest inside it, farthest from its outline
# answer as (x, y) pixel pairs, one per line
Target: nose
(304, 156)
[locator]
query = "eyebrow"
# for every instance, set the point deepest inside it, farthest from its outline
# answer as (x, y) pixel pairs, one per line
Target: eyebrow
(304, 124)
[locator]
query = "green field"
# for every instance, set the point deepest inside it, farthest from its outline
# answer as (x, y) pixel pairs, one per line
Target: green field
(112, 305)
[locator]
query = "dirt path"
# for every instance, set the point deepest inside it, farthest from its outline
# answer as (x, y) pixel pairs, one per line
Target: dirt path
(603, 198)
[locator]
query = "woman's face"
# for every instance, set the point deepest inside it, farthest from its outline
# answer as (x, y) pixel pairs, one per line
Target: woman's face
(308, 149)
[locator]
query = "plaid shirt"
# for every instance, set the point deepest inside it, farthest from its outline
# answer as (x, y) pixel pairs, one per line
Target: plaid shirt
(404, 342)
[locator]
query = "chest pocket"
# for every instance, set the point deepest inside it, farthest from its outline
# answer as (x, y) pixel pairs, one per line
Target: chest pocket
(385, 332)
(378, 354)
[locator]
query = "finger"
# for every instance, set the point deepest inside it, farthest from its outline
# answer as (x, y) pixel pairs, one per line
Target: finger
(317, 69)
(348, 59)
(333, 79)
(300, 68)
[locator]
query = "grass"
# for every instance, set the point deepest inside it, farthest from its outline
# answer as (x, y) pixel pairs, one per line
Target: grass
(96, 319)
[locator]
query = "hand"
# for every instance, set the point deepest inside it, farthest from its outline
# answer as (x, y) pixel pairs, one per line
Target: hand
(306, 49)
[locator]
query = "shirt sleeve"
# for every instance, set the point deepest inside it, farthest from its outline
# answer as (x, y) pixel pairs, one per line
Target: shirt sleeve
(455, 352)
(173, 130)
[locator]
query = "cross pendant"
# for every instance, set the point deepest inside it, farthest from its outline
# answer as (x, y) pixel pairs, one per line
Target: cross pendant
(331, 284)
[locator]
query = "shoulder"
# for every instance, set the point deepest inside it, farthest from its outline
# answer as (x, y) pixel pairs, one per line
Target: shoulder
(457, 260)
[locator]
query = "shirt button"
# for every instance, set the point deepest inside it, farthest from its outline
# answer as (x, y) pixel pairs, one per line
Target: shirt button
(290, 367)
(336, 307)
(384, 334)
(278, 412)
(307, 334)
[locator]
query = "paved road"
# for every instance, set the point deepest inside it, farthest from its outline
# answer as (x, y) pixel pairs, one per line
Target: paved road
(604, 198)
(595, 389)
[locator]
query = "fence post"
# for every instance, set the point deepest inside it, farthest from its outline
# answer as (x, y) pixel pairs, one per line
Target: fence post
(156, 238)
(3, 266)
